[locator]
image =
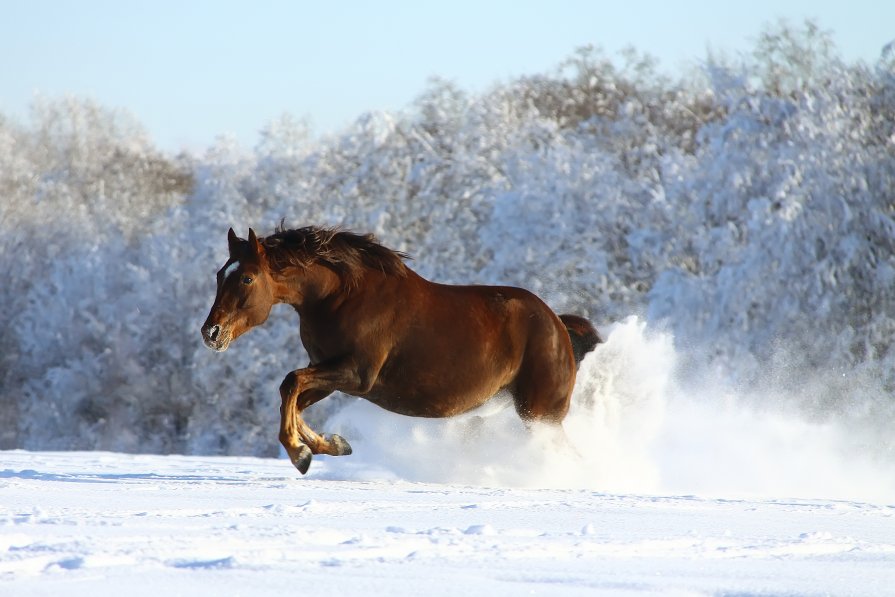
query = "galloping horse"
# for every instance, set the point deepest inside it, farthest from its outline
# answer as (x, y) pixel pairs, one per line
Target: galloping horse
(375, 329)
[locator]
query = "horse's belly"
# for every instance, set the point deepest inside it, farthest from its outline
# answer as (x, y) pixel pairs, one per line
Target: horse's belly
(419, 401)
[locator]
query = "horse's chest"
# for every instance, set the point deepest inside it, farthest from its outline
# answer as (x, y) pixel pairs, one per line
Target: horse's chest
(317, 351)
(323, 344)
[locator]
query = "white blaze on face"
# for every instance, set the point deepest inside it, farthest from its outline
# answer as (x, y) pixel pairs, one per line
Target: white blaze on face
(230, 269)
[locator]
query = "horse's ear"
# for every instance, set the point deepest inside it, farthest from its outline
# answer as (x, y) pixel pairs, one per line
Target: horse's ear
(232, 242)
(254, 246)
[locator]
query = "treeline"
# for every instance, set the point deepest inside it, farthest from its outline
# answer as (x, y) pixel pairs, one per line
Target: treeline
(748, 206)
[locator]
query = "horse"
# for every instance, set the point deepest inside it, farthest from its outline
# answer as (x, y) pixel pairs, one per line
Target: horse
(375, 329)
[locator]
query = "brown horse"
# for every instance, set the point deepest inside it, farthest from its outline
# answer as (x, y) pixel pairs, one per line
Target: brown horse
(373, 328)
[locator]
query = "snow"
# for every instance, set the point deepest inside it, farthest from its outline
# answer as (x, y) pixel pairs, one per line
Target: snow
(661, 492)
(95, 523)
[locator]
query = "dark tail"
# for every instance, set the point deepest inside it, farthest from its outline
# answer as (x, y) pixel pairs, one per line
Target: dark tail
(583, 335)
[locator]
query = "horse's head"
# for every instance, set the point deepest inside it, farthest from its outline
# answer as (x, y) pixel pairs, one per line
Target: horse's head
(245, 293)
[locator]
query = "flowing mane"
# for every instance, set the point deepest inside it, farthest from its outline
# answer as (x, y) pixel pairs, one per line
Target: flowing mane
(346, 253)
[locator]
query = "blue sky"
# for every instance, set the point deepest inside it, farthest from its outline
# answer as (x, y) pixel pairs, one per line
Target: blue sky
(192, 70)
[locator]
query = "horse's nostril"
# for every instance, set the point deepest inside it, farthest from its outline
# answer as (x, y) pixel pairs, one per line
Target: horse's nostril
(213, 332)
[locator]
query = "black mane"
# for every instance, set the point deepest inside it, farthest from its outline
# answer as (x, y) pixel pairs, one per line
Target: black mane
(346, 253)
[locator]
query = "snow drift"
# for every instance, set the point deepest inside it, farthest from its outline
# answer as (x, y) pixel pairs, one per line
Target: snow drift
(95, 523)
(634, 426)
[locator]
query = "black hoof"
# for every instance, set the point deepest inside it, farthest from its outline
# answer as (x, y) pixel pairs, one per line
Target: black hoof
(343, 448)
(303, 461)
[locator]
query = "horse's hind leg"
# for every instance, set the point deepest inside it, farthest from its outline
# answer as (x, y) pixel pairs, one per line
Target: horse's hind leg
(547, 421)
(297, 437)
(543, 386)
(542, 392)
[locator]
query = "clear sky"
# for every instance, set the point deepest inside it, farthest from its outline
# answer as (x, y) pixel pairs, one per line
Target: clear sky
(190, 70)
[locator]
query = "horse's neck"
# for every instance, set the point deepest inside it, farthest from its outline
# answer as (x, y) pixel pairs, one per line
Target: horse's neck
(307, 288)
(326, 297)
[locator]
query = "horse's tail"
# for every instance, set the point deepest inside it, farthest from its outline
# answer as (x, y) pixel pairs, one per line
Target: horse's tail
(583, 335)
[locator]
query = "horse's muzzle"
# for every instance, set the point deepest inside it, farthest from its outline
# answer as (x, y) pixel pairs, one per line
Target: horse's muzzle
(215, 337)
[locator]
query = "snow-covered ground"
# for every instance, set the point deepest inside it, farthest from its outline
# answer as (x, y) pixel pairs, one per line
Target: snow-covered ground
(107, 524)
(666, 492)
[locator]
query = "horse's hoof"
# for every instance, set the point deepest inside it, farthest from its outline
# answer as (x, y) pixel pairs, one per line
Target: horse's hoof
(303, 460)
(342, 447)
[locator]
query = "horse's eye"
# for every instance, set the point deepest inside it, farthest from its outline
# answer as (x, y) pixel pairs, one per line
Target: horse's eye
(247, 280)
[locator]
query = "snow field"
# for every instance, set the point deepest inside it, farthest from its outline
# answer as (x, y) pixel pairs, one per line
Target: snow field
(659, 494)
(101, 523)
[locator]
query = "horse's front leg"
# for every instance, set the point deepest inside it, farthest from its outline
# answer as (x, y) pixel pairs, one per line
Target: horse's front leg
(299, 440)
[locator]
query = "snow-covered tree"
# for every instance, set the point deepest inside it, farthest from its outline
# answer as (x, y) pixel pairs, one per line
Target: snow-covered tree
(751, 209)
